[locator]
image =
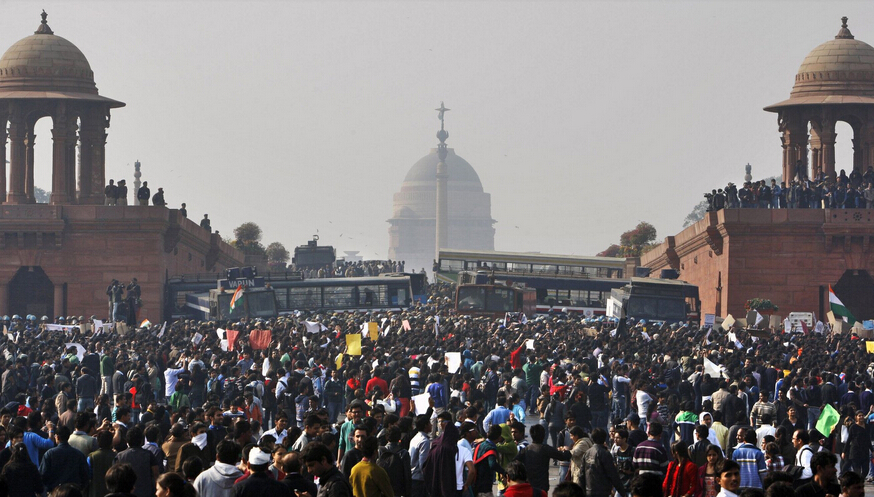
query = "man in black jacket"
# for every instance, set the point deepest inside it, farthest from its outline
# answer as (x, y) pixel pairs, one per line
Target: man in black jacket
(258, 483)
(143, 194)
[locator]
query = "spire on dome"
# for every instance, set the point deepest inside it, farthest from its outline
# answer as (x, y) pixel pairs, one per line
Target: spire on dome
(44, 28)
(844, 33)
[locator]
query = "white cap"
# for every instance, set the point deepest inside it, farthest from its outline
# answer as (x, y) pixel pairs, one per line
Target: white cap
(258, 456)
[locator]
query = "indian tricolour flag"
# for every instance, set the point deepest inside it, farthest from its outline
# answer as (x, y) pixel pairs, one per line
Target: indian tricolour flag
(145, 324)
(838, 308)
(238, 294)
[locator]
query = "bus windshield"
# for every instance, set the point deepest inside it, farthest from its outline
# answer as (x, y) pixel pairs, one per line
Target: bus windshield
(471, 298)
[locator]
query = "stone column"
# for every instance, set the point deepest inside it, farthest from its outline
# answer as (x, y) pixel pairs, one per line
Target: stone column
(30, 140)
(70, 158)
(87, 192)
(828, 136)
(59, 294)
(17, 160)
(98, 150)
(794, 149)
(59, 160)
(4, 115)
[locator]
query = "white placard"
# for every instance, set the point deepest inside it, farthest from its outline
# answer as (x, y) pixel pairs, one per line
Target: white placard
(420, 403)
(453, 361)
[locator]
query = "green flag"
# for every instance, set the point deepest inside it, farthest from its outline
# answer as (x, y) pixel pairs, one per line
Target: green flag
(828, 419)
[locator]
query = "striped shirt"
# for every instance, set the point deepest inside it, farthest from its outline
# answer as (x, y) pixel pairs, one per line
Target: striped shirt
(650, 457)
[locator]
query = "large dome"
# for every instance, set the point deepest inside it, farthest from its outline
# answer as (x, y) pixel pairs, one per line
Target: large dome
(423, 174)
(45, 62)
(838, 71)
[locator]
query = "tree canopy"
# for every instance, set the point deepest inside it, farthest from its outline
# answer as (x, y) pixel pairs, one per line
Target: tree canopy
(247, 238)
(633, 242)
(277, 253)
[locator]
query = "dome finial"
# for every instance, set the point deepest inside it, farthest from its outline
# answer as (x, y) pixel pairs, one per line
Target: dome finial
(844, 33)
(44, 28)
(442, 135)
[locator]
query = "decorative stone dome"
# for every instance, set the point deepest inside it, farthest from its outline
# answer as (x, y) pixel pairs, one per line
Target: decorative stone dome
(423, 175)
(838, 71)
(45, 62)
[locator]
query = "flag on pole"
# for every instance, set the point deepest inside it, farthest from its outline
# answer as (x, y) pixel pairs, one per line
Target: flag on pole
(838, 307)
(145, 324)
(828, 419)
(238, 294)
(804, 326)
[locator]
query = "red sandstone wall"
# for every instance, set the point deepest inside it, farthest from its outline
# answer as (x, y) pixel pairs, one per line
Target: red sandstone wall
(101, 243)
(784, 255)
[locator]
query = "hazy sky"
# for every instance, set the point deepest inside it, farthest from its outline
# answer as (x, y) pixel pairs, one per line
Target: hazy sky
(581, 118)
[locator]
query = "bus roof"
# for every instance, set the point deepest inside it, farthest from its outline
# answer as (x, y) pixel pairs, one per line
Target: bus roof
(532, 258)
(657, 281)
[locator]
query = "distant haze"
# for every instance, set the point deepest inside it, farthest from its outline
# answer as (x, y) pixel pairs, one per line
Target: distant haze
(581, 118)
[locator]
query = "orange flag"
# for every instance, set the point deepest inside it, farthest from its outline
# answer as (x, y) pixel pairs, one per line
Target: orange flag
(232, 338)
(259, 339)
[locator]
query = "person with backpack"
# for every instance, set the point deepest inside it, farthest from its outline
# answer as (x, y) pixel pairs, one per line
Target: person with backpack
(179, 399)
(396, 462)
(485, 459)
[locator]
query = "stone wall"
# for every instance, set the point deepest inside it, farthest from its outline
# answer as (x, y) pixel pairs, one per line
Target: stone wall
(85, 247)
(785, 255)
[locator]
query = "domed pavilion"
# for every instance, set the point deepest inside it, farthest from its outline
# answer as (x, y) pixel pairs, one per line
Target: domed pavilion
(412, 235)
(834, 83)
(44, 75)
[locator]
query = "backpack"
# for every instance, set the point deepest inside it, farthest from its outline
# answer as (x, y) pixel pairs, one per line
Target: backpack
(392, 463)
(287, 399)
(230, 390)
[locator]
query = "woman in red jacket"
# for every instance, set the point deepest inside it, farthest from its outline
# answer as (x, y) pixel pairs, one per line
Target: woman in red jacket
(682, 477)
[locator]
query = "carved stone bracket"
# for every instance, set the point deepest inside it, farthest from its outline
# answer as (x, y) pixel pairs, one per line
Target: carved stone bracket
(714, 239)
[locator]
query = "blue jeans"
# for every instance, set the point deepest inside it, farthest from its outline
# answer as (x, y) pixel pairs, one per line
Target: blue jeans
(531, 400)
(599, 419)
(334, 409)
(85, 405)
(812, 417)
(619, 409)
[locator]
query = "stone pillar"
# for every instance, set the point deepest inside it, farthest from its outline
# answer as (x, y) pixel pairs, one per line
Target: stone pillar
(70, 158)
(828, 136)
(98, 158)
(59, 160)
(17, 161)
(4, 115)
(794, 149)
(59, 294)
(87, 193)
(30, 140)
(858, 151)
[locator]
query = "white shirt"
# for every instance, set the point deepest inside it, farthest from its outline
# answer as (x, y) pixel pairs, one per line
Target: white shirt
(643, 401)
(278, 436)
(171, 378)
(461, 458)
(726, 493)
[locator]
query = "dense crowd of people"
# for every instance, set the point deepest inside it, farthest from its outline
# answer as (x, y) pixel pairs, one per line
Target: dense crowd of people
(427, 403)
(855, 191)
(352, 269)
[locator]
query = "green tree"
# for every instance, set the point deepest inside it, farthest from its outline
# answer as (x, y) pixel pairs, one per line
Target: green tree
(247, 238)
(696, 215)
(41, 196)
(634, 242)
(277, 253)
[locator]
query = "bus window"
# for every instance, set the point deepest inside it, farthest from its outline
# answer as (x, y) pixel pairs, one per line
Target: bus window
(642, 307)
(304, 298)
(672, 309)
(451, 265)
(261, 304)
(471, 298)
(338, 297)
(501, 299)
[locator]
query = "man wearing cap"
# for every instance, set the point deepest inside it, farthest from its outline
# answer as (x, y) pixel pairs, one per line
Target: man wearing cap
(258, 483)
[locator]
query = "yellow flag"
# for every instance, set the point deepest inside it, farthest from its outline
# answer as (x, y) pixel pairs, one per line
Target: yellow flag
(373, 330)
(869, 346)
(786, 372)
(353, 344)
(339, 360)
